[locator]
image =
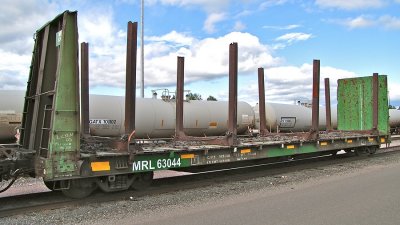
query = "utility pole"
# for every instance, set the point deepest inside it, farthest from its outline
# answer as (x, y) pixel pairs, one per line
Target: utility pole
(142, 50)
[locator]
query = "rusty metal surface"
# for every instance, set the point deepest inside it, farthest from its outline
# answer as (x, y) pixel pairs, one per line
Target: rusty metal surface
(315, 100)
(328, 105)
(375, 109)
(261, 101)
(130, 89)
(85, 87)
(233, 76)
(180, 77)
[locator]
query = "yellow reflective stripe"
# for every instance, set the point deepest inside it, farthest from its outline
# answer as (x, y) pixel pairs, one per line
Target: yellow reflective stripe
(187, 156)
(290, 147)
(100, 166)
(324, 143)
(244, 151)
(212, 124)
(349, 141)
(383, 140)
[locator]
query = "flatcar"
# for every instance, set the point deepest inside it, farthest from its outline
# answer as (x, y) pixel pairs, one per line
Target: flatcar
(55, 142)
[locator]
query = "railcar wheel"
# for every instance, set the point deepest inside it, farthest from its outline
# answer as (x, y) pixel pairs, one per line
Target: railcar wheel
(49, 184)
(371, 150)
(79, 188)
(142, 180)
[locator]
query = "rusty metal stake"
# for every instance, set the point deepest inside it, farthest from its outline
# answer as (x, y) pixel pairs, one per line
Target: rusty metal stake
(179, 134)
(85, 87)
(130, 92)
(261, 102)
(315, 100)
(328, 105)
(232, 111)
(375, 89)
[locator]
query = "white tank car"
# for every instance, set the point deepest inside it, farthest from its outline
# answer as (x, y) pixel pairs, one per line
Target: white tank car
(291, 118)
(394, 121)
(156, 118)
(11, 105)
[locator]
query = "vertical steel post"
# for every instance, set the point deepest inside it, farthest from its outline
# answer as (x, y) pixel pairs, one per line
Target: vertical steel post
(328, 105)
(315, 100)
(85, 87)
(261, 101)
(179, 97)
(130, 92)
(233, 76)
(375, 88)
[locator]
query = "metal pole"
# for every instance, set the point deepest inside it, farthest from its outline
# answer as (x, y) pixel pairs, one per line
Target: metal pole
(130, 92)
(232, 111)
(375, 88)
(85, 87)
(179, 97)
(328, 105)
(315, 100)
(142, 50)
(261, 101)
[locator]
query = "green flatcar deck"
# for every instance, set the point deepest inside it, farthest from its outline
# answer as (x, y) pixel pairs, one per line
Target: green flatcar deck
(174, 155)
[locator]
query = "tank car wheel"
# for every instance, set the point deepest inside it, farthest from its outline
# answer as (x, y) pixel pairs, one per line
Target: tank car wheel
(142, 180)
(79, 188)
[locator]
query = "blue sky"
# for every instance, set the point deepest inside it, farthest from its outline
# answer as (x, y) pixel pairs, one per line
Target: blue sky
(351, 38)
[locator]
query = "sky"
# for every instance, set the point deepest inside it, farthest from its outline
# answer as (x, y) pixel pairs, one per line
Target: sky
(351, 38)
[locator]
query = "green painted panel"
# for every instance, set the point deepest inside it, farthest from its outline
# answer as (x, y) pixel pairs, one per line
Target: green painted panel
(355, 104)
(277, 151)
(64, 140)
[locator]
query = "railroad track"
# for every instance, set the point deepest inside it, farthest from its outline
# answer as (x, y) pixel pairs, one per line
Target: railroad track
(15, 205)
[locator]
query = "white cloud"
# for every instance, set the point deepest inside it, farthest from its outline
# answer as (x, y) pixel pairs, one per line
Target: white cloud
(350, 5)
(285, 84)
(173, 37)
(287, 27)
(13, 70)
(212, 19)
(293, 37)
(359, 22)
(390, 22)
(107, 47)
(208, 59)
(394, 91)
(19, 21)
(269, 3)
(244, 13)
(386, 21)
(208, 5)
(239, 26)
